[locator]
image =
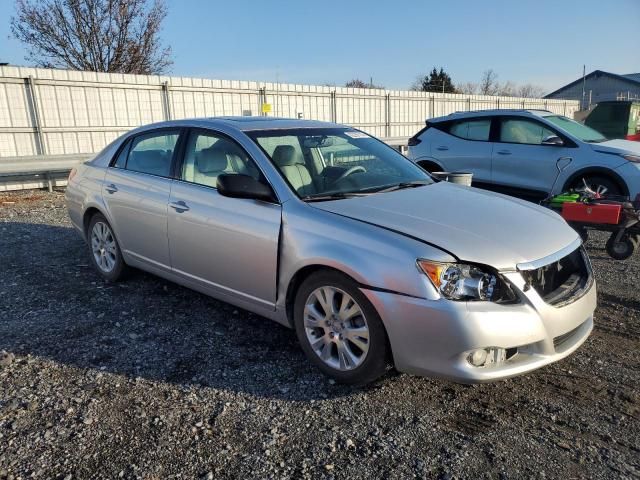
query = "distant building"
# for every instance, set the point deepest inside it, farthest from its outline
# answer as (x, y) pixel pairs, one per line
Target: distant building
(600, 86)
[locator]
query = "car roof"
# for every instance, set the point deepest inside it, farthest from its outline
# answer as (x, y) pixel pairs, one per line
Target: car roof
(490, 113)
(245, 124)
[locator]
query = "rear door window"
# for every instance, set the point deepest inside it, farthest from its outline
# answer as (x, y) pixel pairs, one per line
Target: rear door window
(477, 129)
(152, 153)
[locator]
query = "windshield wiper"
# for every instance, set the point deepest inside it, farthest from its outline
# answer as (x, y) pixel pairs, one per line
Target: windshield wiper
(403, 185)
(333, 196)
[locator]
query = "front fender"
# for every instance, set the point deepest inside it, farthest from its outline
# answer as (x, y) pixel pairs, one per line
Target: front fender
(374, 257)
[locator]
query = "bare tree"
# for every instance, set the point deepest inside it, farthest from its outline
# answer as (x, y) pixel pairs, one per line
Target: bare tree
(101, 35)
(506, 89)
(357, 83)
(489, 83)
(469, 88)
(529, 90)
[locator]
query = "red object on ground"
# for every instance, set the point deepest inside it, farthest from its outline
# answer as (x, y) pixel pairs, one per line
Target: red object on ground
(592, 213)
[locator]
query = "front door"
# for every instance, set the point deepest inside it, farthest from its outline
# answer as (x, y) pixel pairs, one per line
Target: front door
(522, 165)
(228, 246)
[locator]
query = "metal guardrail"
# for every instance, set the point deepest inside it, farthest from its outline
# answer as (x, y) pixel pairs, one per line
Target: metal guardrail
(38, 171)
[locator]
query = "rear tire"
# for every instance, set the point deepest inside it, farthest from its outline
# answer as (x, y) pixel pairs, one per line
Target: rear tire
(624, 248)
(348, 342)
(430, 167)
(104, 249)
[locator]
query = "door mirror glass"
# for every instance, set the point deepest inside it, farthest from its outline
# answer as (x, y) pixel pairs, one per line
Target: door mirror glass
(552, 140)
(243, 186)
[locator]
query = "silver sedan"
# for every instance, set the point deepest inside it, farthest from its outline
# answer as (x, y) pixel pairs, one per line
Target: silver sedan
(329, 231)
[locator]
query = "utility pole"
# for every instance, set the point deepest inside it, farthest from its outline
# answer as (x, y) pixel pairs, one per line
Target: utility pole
(584, 81)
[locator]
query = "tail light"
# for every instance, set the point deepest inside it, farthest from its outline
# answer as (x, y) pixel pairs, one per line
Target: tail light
(635, 137)
(72, 174)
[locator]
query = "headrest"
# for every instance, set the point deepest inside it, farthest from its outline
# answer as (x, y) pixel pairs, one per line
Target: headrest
(210, 160)
(286, 155)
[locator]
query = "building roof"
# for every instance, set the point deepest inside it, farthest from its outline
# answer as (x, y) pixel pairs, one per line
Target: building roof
(631, 78)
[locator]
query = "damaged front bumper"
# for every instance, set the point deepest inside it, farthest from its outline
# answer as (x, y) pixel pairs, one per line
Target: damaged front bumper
(439, 337)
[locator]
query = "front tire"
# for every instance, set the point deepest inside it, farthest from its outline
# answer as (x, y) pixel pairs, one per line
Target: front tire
(104, 249)
(598, 184)
(339, 329)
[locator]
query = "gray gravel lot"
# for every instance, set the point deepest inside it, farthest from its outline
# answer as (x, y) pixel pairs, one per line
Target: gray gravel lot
(146, 379)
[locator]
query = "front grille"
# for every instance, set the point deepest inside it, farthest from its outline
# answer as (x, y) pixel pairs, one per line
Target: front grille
(563, 281)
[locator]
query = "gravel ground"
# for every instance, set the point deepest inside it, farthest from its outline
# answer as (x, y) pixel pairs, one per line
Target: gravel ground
(146, 379)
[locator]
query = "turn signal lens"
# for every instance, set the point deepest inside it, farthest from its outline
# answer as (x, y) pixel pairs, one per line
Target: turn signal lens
(433, 271)
(72, 174)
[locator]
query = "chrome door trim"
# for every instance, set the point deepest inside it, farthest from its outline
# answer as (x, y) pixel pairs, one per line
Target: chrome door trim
(224, 290)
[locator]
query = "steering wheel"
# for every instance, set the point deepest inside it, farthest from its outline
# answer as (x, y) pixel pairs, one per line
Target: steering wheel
(350, 171)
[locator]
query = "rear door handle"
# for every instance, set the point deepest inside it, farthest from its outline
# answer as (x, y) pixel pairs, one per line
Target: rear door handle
(442, 148)
(504, 152)
(179, 206)
(111, 188)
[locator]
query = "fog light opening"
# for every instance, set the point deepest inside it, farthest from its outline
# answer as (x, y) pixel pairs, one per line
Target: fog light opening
(484, 357)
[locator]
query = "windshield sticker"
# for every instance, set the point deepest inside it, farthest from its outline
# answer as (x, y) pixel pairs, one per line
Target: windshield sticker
(354, 134)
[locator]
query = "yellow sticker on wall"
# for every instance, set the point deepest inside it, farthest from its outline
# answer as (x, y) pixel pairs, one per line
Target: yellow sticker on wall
(266, 107)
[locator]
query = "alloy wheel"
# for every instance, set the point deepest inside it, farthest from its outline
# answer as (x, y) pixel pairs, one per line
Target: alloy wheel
(103, 247)
(336, 328)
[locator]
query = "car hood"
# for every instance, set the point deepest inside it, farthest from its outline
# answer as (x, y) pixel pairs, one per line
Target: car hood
(473, 225)
(617, 147)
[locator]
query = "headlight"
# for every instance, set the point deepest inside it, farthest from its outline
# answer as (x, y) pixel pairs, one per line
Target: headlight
(632, 158)
(459, 281)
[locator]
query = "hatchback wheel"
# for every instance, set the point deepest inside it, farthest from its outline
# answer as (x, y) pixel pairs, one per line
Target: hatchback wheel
(104, 249)
(339, 330)
(600, 185)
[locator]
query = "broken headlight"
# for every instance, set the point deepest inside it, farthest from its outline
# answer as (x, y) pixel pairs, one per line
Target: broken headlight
(461, 281)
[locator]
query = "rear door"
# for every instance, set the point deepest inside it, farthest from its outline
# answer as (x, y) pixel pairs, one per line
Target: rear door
(136, 191)
(226, 246)
(522, 165)
(464, 146)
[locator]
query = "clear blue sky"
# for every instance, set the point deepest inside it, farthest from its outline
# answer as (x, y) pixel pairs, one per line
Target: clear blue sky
(545, 42)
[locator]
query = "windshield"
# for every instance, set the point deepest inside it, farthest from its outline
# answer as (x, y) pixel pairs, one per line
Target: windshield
(578, 130)
(337, 162)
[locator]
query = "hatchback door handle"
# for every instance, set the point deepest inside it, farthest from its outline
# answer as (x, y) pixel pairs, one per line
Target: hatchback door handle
(179, 206)
(504, 152)
(111, 188)
(442, 148)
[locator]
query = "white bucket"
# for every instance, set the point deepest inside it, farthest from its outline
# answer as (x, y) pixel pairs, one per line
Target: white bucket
(459, 178)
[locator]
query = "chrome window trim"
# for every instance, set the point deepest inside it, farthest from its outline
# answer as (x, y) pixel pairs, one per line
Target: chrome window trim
(554, 257)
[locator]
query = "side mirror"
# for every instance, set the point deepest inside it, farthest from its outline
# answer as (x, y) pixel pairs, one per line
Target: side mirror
(243, 186)
(553, 140)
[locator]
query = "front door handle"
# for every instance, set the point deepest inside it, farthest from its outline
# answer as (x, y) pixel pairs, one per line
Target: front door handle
(179, 206)
(504, 152)
(111, 188)
(442, 148)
